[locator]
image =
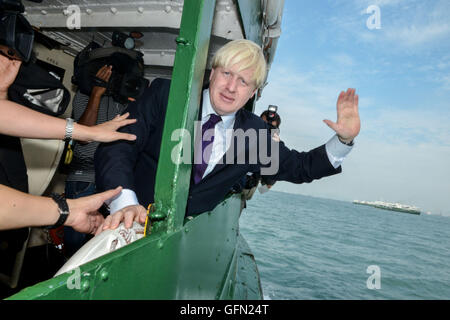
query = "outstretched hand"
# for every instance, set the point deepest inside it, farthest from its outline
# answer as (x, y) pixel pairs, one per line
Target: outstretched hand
(84, 216)
(107, 131)
(127, 215)
(348, 123)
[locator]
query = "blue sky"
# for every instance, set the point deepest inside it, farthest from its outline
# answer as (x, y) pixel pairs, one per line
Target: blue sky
(402, 75)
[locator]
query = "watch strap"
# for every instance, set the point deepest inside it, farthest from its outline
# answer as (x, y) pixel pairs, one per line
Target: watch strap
(69, 129)
(63, 208)
(346, 143)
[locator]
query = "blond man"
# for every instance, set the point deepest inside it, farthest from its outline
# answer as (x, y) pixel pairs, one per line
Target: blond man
(238, 71)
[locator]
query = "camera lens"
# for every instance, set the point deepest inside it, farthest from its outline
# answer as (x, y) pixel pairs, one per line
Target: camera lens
(132, 85)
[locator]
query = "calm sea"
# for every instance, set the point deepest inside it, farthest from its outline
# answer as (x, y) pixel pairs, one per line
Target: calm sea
(312, 248)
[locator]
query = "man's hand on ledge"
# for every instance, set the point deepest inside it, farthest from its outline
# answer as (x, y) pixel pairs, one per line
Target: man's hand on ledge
(127, 215)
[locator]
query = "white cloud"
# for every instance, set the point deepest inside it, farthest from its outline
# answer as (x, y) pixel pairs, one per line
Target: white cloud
(343, 60)
(395, 125)
(445, 82)
(382, 3)
(418, 35)
(404, 23)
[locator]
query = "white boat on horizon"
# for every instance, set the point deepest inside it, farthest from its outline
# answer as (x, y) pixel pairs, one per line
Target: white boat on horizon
(390, 206)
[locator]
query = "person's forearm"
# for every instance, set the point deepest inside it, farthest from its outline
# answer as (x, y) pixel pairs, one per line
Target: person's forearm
(20, 210)
(19, 121)
(90, 114)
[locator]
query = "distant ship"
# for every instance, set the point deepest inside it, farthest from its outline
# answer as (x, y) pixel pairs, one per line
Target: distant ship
(390, 206)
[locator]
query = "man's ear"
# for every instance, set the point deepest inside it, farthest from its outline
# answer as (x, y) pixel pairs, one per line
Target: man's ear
(211, 74)
(253, 94)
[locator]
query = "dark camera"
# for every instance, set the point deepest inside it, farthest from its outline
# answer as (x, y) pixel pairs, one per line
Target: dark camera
(120, 39)
(124, 86)
(16, 33)
(272, 111)
(272, 115)
(127, 78)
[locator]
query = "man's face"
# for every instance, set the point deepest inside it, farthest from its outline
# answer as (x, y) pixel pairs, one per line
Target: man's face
(230, 89)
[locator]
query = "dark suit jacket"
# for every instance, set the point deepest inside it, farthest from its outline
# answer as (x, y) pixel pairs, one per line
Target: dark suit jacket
(133, 164)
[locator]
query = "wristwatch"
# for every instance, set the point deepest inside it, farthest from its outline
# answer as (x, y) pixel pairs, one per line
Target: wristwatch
(346, 143)
(63, 208)
(69, 129)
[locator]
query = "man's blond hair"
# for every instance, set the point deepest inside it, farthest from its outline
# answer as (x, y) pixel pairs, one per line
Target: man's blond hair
(245, 52)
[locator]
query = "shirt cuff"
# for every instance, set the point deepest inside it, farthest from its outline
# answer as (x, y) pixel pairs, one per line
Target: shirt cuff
(337, 151)
(125, 198)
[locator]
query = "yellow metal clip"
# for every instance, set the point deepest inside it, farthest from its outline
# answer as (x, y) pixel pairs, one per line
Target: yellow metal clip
(69, 153)
(147, 219)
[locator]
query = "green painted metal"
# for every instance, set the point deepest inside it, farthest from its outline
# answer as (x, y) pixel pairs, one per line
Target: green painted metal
(172, 178)
(251, 17)
(247, 282)
(198, 261)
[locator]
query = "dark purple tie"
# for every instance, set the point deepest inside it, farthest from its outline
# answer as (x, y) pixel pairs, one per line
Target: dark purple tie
(199, 169)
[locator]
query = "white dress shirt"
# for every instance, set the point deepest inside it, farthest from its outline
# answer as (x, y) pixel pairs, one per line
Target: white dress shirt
(223, 132)
(336, 151)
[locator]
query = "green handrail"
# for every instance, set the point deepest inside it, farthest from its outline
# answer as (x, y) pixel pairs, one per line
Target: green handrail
(173, 179)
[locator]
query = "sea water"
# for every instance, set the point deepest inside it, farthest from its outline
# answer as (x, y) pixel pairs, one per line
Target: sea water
(313, 248)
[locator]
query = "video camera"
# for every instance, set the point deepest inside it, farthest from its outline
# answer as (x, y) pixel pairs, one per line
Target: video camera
(127, 78)
(16, 33)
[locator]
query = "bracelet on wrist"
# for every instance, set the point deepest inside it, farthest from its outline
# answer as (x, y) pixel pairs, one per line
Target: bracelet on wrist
(69, 129)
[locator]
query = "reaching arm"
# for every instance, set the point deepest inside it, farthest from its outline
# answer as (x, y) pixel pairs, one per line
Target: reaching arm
(19, 121)
(19, 210)
(325, 160)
